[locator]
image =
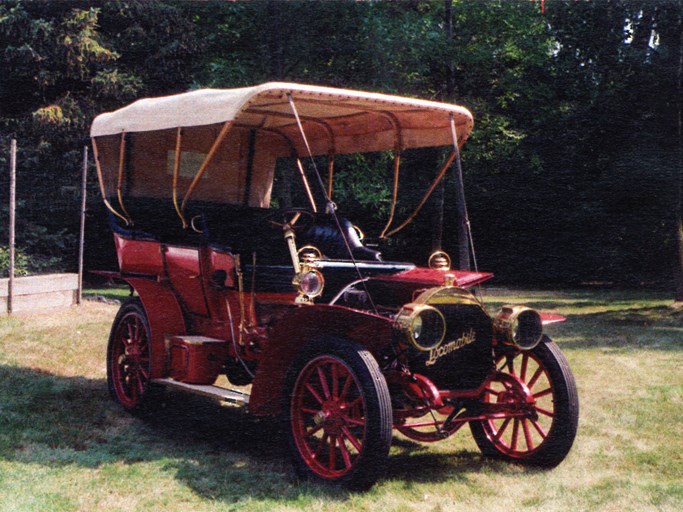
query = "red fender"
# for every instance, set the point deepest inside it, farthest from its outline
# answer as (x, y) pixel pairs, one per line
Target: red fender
(551, 318)
(164, 314)
(303, 326)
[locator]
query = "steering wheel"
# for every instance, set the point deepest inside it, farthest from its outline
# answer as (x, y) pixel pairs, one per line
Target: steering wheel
(297, 219)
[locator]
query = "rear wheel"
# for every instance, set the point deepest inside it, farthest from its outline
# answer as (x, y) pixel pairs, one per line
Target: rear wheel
(129, 356)
(339, 415)
(539, 388)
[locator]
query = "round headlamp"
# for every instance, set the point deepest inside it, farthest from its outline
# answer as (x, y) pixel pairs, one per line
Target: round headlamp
(309, 282)
(519, 326)
(421, 326)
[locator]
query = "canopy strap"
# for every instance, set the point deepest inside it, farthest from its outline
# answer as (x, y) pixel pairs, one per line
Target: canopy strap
(98, 166)
(394, 194)
(176, 172)
(205, 164)
(436, 181)
(119, 184)
(330, 207)
(330, 174)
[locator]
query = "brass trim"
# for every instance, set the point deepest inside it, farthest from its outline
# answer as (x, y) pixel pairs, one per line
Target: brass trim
(214, 148)
(504, 325)
(394, 194)
(405, 324)
(304, 260)
(176, 172)
(330, 175)
(305, 298)
(434, 264)
(119, 184)
(436, 181)
(100, 178)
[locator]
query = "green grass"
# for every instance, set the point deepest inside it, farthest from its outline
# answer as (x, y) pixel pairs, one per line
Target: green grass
(65, 446)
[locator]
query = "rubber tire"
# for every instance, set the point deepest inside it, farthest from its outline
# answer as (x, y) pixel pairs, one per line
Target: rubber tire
(378, 413)
(132, 306)
(560, 437)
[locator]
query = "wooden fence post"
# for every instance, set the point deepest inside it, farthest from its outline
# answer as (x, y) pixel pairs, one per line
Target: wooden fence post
(12, 209)
(81, 243)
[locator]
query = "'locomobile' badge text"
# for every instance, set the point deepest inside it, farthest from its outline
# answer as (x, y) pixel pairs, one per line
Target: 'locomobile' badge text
(437, 353)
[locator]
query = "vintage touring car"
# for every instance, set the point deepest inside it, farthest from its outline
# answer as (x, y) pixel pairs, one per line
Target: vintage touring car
(340, 343)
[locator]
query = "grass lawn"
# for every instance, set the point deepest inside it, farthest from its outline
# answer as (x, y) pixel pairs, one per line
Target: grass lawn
(65, 446)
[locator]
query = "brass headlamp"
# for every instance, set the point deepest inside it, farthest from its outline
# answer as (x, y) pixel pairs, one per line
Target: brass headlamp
(421, 326)
(518, 326)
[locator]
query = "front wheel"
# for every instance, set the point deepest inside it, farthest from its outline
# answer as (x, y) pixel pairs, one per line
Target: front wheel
(339, 415)
(538, 391)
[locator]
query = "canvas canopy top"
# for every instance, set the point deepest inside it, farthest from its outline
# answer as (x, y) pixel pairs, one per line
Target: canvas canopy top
(222, 144)
(354, 121)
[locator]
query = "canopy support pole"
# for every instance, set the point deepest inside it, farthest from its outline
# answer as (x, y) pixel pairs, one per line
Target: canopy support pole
(464, 229)
(329, 205)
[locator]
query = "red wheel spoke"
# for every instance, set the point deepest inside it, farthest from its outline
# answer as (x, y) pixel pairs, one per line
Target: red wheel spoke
(332, 455)
(347, 386)
(140, 383)
(346, 456)
(515, 434)
(354, 422)
(313, 431)
(312, 412)
(525, 363)
(323, 382)
(493, 391)
(354, 403)
(539, 429)
(499, 359)
(543, 393)
(537, 374)
(335, 381)
(545, 412)
(313, 392)
(502, 428)
(527, 435)
(321, 445)
(510, 365)
(352, 439)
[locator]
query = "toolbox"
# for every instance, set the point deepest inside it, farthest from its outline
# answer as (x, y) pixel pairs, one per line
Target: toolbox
(196, 359)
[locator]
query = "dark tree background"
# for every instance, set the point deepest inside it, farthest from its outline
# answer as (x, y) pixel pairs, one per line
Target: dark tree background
(572, 174)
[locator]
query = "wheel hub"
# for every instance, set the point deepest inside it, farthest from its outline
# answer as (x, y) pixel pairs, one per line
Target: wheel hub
(331, 417)
(516, 394)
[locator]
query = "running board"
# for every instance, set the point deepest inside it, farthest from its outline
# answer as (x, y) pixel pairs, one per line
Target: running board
(222, 394)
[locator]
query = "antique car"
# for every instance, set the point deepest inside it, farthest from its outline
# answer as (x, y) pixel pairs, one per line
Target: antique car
(287, 301)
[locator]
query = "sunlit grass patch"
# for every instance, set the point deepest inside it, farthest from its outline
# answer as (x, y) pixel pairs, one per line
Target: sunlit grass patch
(64, 445)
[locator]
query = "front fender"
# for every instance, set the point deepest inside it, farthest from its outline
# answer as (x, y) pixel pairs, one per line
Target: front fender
(308, 324)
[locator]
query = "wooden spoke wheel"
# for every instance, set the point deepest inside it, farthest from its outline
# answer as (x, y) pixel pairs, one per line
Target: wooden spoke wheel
(538, 390)
(128, 355)
(339, 415)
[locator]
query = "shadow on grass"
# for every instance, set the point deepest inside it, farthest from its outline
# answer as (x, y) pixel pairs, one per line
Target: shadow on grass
(220, 453)
(649, 328)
